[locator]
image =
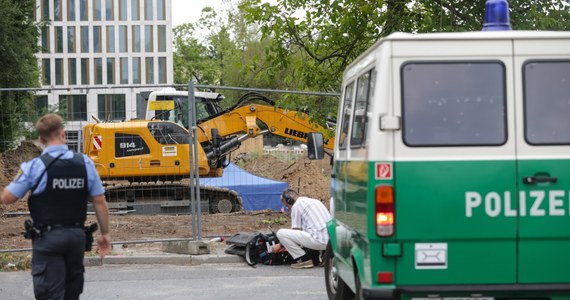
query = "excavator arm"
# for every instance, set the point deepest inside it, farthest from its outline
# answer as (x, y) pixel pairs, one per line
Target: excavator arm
(245, 121)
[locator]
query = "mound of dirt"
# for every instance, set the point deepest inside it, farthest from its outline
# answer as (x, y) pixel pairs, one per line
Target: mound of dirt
(311, 178)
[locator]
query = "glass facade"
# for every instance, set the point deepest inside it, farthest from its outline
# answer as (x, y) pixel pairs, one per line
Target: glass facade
(58, 39)
(111, 39)
(149, 64)
(97, 39)
(162, 70)
(135, 10)
(71, 10)
(123, 38)
(160, 10)
(136, 45)
(136, 70)
(84, 39)
(85, 71)
(98, 68)
(97, 10)
(83, 10)
(109, 10)
(111, 107)
(45, 39)
(148, 10)
(161, 38)
(123, 10)
(46, 71)
(59, 71)
(72, 71)
(57, 11)
(124, 70)
(73, 107)
(148, 38)
(71, 39)
(110, 70)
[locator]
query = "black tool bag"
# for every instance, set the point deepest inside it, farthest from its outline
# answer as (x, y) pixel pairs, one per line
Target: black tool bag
(255, 248)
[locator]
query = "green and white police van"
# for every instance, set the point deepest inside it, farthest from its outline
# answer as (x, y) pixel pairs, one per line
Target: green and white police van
(451, 174)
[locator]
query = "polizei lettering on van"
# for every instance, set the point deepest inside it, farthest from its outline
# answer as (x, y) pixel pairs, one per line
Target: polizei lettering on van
(68, 183)
(531, 203)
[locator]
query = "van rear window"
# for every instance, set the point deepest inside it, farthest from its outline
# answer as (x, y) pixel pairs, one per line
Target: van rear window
(453, 104)
(547, 102)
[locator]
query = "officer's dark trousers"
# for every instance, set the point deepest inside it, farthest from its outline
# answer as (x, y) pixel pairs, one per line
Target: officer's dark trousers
(57, 264)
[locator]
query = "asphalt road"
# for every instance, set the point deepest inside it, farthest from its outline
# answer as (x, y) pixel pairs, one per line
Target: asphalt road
(164, 282)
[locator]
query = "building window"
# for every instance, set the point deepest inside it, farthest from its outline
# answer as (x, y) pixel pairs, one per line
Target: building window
(59, 71)
(97, 8)
(162, 70)
(109, 10)
(123, 10)
(83, 10)
(123, 38)
(148, 35)
(110, 39)
(57, 10)
(71, 10)
(149, 63)
(111, 107)
(136, 38)
(73, 107)
(136, 70)
(46, 68)
(135, 10)
(124, 70)
(97, 39)
(58, 39)
(45, 39)
(71, 39)
(72, 70)
(160, 9)
(110, 71)
(161, 38)
(85, 71)
(84, 39)
(45, 9)
(98, 70)
(148, 9)
(41, 104)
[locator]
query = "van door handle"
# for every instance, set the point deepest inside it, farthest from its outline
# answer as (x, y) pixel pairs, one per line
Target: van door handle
(541, 179)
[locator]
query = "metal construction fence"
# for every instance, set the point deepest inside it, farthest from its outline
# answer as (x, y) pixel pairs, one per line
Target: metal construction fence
(161, 150)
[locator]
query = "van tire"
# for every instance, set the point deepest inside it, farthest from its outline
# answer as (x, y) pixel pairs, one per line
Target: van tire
(336, 287)
(357, 286)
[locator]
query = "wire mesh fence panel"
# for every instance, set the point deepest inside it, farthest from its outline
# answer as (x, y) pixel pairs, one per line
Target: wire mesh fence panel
(248, 151)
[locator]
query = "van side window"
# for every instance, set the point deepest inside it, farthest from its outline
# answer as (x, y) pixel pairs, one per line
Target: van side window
(346, 112)
(453, 104)
(364, 91)
(547, 102)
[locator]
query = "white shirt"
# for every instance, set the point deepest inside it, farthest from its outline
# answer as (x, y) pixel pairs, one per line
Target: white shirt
(311, 215)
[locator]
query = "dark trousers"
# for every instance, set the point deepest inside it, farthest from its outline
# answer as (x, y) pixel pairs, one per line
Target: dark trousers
(57, 264)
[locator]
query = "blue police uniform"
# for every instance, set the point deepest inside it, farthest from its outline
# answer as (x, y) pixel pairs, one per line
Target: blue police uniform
(58, 205)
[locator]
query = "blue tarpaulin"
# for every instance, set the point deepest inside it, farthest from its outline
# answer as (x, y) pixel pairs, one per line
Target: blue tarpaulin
(257, 193)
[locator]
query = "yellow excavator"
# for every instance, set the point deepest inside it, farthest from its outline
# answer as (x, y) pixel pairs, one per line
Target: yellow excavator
(145, 164)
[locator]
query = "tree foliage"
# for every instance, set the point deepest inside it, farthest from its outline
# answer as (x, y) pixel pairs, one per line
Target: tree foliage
(18, 66)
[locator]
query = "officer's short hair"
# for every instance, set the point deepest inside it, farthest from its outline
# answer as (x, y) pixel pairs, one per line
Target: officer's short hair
(49, 125)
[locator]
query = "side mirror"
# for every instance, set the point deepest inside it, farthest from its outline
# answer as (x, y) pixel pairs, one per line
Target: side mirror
(315, 146)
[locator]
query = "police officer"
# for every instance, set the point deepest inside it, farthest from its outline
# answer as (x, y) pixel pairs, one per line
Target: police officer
(61, 183)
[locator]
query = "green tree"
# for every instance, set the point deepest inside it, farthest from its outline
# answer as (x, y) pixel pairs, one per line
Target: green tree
(18, 66)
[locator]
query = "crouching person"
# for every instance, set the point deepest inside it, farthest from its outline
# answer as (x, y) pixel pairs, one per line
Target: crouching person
(309, 219)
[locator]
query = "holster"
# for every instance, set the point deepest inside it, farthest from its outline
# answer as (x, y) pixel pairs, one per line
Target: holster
(89, 230)
(31, 231)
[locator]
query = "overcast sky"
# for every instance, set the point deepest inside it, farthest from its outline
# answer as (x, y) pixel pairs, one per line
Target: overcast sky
(188, 11)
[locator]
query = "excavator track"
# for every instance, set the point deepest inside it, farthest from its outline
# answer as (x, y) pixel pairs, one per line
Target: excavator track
(156, 197)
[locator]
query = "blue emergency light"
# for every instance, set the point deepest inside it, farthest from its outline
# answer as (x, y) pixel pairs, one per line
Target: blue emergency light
(496, 15)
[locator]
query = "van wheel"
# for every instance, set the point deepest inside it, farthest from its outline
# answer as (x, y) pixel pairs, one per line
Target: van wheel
(336, 288)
